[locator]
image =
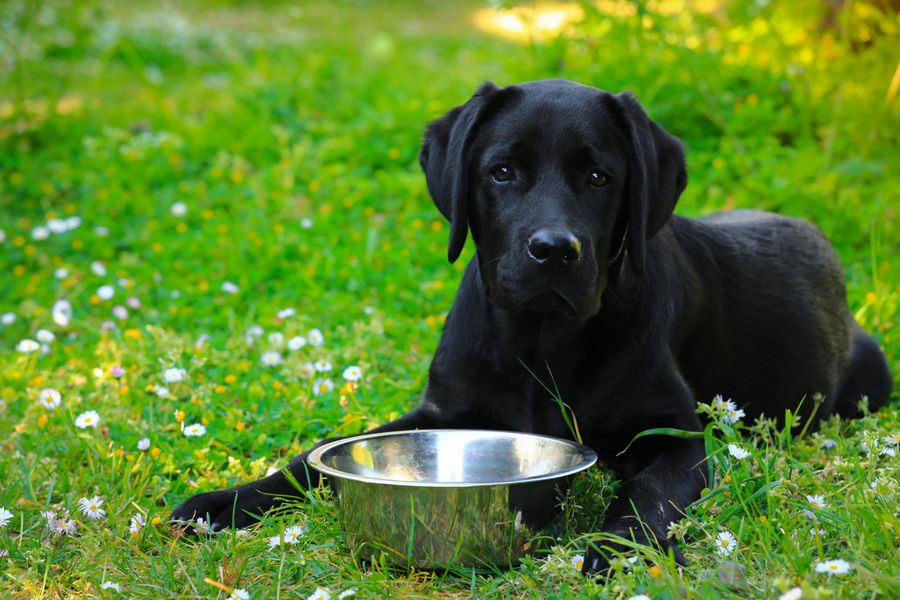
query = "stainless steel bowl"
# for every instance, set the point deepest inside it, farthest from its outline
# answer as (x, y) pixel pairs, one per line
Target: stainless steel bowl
(448, 498)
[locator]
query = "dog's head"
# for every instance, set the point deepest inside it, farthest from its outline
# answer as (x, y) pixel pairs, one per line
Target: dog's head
(560, 183)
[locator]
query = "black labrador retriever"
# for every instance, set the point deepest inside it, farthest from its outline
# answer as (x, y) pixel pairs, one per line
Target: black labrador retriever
(582, 274)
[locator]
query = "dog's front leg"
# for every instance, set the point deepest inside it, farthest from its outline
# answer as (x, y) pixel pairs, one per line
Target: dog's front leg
(669, 474)
(243, 505)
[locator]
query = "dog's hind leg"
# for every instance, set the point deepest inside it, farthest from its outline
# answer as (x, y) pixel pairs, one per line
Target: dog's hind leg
(867, 374)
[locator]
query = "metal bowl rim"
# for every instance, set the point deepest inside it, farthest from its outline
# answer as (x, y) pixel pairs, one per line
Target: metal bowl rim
(314, 459)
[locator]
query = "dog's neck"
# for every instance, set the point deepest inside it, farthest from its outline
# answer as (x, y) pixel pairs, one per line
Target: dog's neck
(534, 338)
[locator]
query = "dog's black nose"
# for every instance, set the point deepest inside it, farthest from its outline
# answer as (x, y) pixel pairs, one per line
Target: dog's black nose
(553, 248)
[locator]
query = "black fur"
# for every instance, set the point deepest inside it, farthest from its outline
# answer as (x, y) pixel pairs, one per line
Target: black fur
(635, 314)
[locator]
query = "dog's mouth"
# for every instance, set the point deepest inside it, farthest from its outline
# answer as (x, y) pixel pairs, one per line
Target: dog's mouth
(571, 295)
(551, 300)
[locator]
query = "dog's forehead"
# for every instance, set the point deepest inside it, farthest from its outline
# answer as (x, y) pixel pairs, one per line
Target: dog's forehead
(556, 111)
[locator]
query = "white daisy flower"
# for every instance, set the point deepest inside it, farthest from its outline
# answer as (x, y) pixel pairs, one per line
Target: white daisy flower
(8, 318)
(238, 594)
(105, 292)
(291, 535)
(61, 273)
(720, 404)
(315, 337)
(727, 409)
(307, 370)
(320, 594)
(87, 419)
(73, 222)
(276, 339)
(271, 358)
(120, 312)
(137, 522)
(49, 398)
(109, 585)
(347, 593)
(733, 416)
(794, 593)
(816, 501)
(178, 209)
(66, 526)
(296, 342)
(133, 302)
(725, 543)
(62, 312)
(230, 288)
(641, 597)
(27, 346)
(352, 373)
(174, 375)
(98, 268)
(143, 444)
(60, 525)
(5, 516)
(162, 391)
(40, 233)
(286, 313)
(57, 226)
(833, 567)
(577, 562)
(101, 230)
(255, 331)
(321, 386)
(322, 365)
(737, 452)
(194, 430)
(90, 507)
(306, 223)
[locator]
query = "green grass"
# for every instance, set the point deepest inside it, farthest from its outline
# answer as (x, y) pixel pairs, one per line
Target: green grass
(259, 116)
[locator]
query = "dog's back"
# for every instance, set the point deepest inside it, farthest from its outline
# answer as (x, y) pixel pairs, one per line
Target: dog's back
(773, 324)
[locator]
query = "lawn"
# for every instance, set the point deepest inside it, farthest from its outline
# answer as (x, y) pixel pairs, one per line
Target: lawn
(217, 247)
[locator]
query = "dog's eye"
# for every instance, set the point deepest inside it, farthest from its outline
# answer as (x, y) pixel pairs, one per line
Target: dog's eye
(501, 173)
(597, 178)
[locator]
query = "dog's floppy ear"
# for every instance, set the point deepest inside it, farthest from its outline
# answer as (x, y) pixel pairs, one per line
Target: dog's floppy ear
(443, 158)
(657, 174)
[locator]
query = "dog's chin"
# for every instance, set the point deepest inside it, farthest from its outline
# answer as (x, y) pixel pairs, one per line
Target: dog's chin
(548, 302)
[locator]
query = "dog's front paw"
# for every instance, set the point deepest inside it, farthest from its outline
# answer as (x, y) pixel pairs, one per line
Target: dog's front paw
(598, 556)
(221, 509)
(600, 553)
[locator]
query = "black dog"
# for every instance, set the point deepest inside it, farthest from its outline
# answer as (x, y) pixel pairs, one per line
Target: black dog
(583, 274)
